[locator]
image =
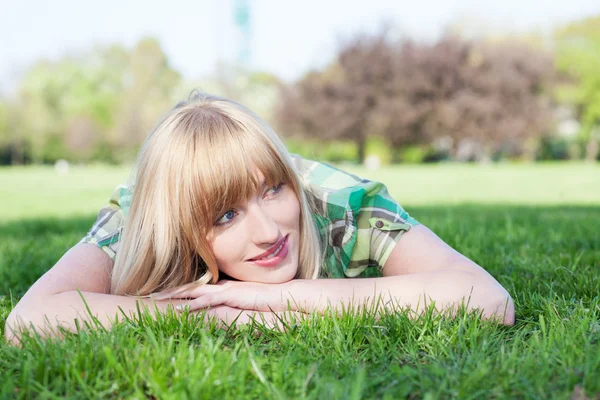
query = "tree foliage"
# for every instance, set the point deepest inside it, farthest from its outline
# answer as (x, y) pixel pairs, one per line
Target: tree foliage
(492, 95)
(341, 101)
(84, 107)
(455, 97)
(578, 57)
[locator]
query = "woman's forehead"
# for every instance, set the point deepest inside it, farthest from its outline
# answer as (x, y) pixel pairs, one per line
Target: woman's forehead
(251, 182)
(242, 181)
(259, 178)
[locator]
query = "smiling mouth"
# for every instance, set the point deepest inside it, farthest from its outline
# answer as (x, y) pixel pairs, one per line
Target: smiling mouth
(273, 251)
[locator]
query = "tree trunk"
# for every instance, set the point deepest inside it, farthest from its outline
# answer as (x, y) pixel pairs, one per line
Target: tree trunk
(362, 148)
(396, 159)
(16, 154)
(591, 149)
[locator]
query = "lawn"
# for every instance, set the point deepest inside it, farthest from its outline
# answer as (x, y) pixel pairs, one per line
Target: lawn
(533, 227)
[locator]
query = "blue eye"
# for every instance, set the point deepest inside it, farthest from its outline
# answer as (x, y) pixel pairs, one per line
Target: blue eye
(276, 189)
(226, 218)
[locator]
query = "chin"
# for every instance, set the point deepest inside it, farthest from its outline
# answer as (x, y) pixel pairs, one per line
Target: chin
(276, 278)
(282, 275)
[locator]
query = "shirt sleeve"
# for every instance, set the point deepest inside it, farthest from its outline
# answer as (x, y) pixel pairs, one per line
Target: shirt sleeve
(358, 219)
(105, 232)
(380, 223)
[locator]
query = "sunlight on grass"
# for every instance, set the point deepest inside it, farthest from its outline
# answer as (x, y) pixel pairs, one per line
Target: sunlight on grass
(32, 192)
(533, 227)
(553, 183)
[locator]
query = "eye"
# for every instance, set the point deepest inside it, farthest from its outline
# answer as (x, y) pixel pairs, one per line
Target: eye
(274, 190)
(227, 218)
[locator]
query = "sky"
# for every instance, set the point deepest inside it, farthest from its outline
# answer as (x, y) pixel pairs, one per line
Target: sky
(286, 37)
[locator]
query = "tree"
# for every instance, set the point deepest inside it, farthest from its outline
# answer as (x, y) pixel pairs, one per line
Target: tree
(488, 94)
(73, 88)
(424, 76)
(87, 105)
(257, 90)
(578, 57)
(149, 88)
(492, 95)
(340, 102)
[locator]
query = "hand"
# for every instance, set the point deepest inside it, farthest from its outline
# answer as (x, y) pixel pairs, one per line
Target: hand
(238, 295)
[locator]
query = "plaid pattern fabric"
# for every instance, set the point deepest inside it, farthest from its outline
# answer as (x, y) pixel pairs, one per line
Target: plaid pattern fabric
(110, 222)
(357, 218)
(358, 221)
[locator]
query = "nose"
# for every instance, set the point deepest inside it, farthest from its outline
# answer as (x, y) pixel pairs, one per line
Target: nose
(263, 226)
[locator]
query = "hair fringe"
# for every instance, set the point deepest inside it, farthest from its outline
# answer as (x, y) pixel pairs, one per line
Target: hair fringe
(176, 183)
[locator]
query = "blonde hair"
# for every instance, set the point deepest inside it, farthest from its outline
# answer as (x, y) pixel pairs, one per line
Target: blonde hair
(192, 168)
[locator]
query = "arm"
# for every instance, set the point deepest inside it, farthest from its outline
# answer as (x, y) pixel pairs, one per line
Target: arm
(421, 268)
(54, 300)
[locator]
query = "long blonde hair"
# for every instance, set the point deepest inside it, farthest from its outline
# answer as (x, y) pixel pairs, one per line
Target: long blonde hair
(193, 167)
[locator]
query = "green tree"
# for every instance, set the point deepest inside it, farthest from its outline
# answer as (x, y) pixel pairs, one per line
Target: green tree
(55, 97)
(257, 90)
(578, 57)
(85, 106)
(149, 89)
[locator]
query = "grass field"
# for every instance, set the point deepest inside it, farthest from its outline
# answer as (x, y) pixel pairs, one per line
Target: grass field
(533, 227)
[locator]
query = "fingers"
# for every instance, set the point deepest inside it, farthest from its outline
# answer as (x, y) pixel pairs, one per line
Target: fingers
(184, 291)
(202, 302)
(167, 294)
(181, 293)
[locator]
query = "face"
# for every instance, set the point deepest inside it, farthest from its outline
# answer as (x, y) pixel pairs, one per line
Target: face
(258, 240)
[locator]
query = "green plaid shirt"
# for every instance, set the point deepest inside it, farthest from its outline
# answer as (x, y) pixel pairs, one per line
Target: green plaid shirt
(358, 220)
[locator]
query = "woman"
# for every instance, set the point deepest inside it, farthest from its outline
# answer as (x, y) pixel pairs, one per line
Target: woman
(218, 217)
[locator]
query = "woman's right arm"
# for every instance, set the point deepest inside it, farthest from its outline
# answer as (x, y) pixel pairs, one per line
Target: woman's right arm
(54, 299)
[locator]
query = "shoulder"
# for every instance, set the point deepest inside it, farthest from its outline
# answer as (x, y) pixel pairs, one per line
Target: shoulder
(106, 230)
(323, 175)
(350, 192)
(358, 218)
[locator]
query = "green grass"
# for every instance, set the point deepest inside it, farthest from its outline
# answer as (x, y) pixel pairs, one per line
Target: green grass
(535, 228)
(39, 192)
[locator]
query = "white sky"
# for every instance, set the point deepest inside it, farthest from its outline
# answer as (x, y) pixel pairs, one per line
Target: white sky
(288, 37)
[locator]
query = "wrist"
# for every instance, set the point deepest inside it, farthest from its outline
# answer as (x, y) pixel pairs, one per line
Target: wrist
(162, 305)
(296, 295)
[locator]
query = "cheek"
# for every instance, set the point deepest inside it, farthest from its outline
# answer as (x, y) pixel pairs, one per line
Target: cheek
(224, 246)
(290, 211)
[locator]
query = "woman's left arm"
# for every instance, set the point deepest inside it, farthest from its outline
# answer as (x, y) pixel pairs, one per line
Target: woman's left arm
(421, 269)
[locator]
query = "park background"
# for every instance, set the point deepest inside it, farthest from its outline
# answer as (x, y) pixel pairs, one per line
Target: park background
(482, 117)
(467, 81)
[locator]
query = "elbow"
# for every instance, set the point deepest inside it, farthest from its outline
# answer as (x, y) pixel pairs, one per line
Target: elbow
(500, 307)
(19, 322)
(492, 300)
(11, 328)
(507, 310)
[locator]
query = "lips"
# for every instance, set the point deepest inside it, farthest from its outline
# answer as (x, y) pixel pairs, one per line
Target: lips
(277, 246)
(275, 257)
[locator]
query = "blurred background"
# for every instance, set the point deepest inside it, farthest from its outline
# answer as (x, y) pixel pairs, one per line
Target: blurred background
(379, 82)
